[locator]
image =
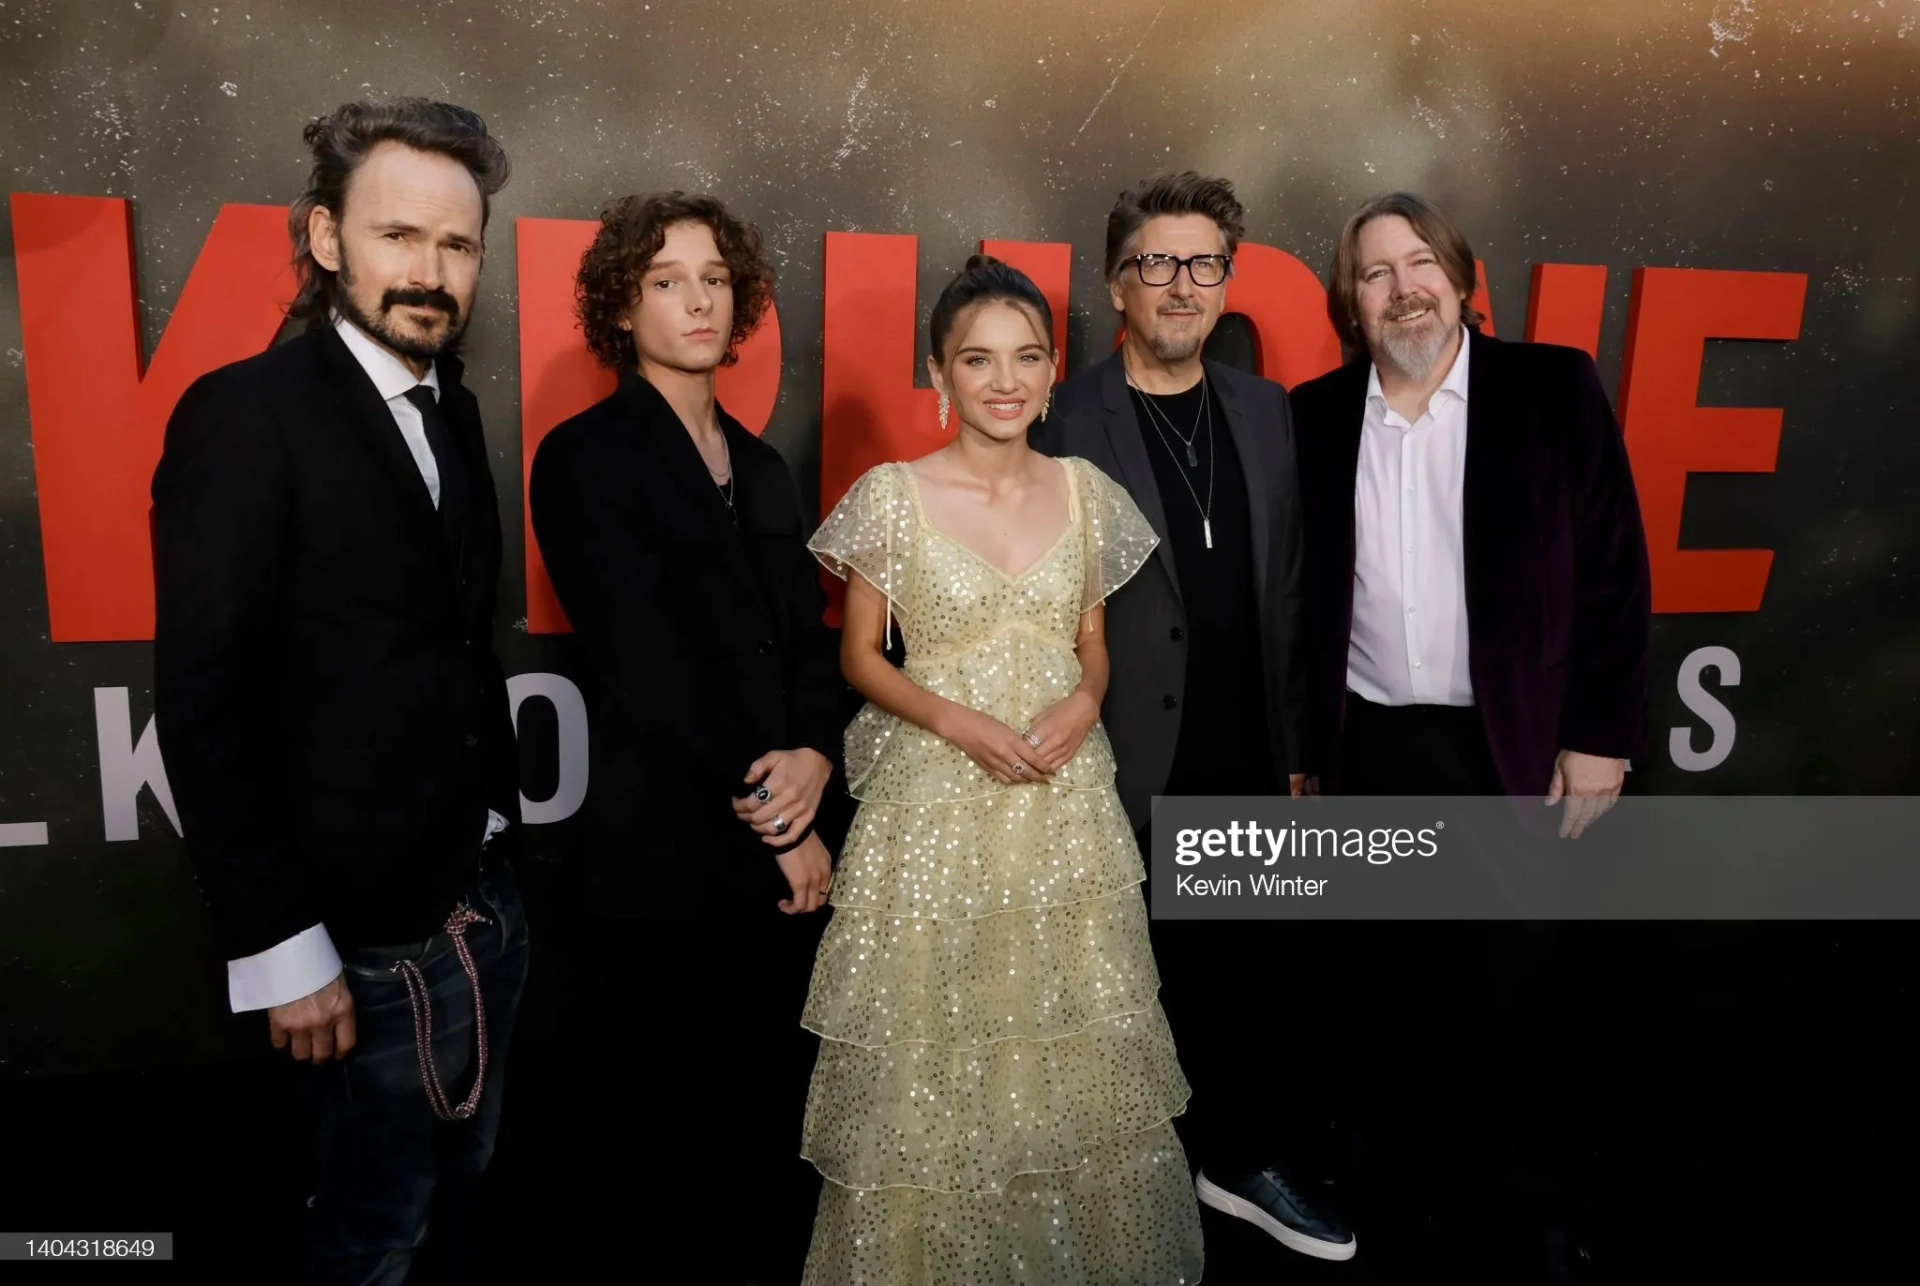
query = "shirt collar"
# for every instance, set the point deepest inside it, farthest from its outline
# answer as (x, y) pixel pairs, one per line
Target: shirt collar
(390, 376)
(1455, 383)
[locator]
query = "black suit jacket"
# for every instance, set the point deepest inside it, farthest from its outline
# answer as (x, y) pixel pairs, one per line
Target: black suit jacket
(705, 646)
(334, 719)
(1092, 416)
(1559, 597)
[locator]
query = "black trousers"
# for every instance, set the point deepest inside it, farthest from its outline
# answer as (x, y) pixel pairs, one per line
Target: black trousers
(1228, 989)
(691, 1108)
(1465, 1037)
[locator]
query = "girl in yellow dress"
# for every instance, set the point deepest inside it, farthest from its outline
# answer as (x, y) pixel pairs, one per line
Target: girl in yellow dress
(994, 1093)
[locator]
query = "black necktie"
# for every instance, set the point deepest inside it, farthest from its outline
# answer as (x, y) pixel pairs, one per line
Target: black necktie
(454, 494)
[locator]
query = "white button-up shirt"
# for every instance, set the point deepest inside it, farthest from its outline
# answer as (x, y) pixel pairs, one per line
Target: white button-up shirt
(1409, 638)
(393, 381)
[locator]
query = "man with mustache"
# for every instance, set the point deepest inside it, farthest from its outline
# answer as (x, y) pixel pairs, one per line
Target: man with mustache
(1480, 609)
(1207, 691)
(326, 545)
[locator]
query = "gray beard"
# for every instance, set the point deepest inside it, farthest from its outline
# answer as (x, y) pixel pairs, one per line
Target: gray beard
(1176, 350)
(1414, 353)
(1173, 350)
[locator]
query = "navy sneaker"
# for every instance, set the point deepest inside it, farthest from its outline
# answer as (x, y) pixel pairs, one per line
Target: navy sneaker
(1265, 1199)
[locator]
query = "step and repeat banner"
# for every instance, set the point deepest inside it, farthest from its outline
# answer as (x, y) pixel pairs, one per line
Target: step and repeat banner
(1714, 197)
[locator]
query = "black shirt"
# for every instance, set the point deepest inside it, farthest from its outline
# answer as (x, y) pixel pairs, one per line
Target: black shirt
(1224, 747)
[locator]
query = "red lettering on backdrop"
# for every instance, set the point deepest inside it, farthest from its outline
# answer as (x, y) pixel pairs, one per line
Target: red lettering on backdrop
(1567, 304)
(559, 377)
(1287, 307)
(98, 418)
(1669, 435)
(871, 409)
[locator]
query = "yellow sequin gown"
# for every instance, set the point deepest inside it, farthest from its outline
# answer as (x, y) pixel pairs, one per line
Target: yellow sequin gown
(994, 1093)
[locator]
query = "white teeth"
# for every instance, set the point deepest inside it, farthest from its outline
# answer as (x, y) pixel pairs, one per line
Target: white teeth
(1407, 317)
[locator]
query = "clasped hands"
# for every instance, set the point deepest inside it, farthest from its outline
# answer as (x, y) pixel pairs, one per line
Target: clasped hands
(787, 786)
(1019, 758)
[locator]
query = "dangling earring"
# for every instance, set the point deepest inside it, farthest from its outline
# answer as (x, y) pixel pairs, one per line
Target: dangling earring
(943, 409)
(1044, 405)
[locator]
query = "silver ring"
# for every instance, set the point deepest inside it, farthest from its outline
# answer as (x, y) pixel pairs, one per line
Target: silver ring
(1019, 767)
(762, 794)
(1032, 740)
(779, 826)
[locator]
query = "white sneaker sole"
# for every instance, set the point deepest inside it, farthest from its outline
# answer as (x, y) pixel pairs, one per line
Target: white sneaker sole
(1225, 1202)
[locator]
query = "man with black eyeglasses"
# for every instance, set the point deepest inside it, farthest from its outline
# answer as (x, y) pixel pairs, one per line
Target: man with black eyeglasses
(1207, 692)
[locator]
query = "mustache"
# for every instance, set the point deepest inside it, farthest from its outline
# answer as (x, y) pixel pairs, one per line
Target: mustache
(420, 297)
(1184, 303)
(1412, 304)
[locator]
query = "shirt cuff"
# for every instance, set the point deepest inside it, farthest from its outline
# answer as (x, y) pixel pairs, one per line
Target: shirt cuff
(495, 824)
(297, 967)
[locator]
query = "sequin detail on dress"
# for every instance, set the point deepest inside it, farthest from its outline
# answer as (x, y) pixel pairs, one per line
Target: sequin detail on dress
(994, 1094)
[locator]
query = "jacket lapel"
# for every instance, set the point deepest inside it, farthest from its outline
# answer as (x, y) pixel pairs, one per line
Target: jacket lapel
(1130, 450)
(1344, 457)
(761, 488)
(468, 435)
(1493, 408)
(372, 420)
(680, 460)
(1246, 444)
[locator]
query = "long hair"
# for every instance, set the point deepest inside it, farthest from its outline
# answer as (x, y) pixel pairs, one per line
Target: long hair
(985, 280)
(632, 230)
(1432, 227)
(340, 143)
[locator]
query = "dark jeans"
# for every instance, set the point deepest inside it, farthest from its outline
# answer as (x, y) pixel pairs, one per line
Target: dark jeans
(387, 1167)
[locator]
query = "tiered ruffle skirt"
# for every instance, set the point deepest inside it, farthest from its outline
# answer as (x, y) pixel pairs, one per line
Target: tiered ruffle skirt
(994, 1094)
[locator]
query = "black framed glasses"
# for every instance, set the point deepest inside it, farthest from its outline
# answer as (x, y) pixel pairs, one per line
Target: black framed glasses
(1203, 270)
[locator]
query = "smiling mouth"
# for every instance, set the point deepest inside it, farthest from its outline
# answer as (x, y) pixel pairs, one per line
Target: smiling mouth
(1005, 408)
(1413, 316)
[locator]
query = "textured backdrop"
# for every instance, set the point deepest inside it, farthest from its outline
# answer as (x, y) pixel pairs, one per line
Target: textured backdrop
(1737, 135)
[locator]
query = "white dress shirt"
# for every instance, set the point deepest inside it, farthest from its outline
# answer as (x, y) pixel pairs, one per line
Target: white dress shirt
(308, 961)
(1409, 639)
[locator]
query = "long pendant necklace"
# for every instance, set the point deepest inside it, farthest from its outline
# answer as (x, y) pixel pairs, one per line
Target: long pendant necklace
(1155, 417)
(726, 488)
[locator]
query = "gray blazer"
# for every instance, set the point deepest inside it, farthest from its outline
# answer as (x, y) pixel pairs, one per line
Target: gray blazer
(1092, 417)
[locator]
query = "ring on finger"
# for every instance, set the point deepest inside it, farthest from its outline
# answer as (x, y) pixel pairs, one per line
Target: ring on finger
(1019, 768)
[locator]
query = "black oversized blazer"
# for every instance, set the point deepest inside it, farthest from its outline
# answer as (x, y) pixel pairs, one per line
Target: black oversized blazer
(705, 646)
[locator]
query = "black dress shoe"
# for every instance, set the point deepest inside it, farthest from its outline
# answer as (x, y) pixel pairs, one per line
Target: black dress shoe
(1268, 1201)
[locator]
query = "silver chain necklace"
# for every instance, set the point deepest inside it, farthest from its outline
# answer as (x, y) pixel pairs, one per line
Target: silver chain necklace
(1155, 417)
(725, 488)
